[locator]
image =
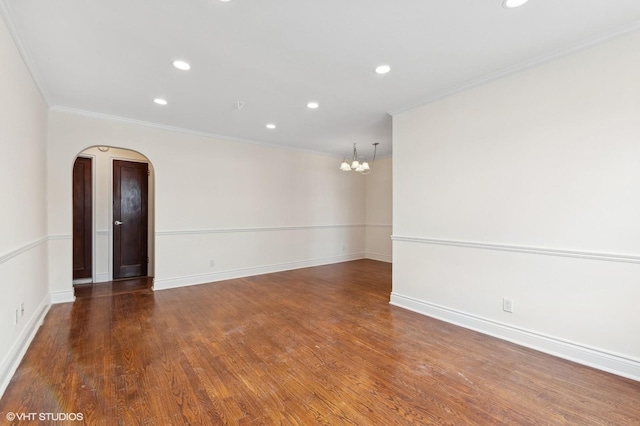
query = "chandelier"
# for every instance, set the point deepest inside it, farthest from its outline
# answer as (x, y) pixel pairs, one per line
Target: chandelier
(359, 163)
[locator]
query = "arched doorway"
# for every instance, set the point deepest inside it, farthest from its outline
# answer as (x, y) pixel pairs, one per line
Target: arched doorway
(105, 173)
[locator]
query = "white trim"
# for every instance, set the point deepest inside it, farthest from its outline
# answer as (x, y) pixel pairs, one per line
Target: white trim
(168, 283)
(23, 249)
(126, 120)
(255, 229)
(601, 359)
(113, 158)
(379, 257)
(493, 76)
(611, 257)
(94, 216)
(62, 297)
(7, 14)
(378, 225)
(16, 353)
(102, 277)
(60, 237)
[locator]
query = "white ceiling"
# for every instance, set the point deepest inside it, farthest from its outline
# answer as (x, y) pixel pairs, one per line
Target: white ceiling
(114, 57)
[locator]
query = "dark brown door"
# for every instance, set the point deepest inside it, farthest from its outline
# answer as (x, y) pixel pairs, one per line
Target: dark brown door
(130, 187)
(82, 219)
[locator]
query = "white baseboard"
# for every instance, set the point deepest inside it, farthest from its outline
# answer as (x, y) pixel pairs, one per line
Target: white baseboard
(620, 365)
(379, 257)
(102, 278)
(16, 353)
(62, 297)
(167, 283)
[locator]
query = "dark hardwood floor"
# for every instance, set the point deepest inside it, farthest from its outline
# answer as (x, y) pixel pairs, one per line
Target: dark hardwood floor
(112, 288)
(312, 346)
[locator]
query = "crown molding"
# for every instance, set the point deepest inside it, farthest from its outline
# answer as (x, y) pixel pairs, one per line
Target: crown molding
(523, 66)
(183, 130)
(12, 26)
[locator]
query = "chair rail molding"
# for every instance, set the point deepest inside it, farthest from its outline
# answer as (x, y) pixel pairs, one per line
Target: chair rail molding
(611, 257)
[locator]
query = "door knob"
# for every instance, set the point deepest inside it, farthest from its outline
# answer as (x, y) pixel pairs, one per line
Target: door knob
(117, 223)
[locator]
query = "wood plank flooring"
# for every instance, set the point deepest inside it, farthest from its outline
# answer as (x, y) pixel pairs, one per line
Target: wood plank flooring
(112, 288)
(312, 346)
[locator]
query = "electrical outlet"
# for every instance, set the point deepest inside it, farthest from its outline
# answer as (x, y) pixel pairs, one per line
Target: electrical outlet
(212, 263)
(21, 309)
(344, 247)
(17, 317)
(507, 305)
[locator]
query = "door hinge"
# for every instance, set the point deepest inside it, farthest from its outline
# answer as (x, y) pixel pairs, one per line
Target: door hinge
(147, 259)
(148, 172)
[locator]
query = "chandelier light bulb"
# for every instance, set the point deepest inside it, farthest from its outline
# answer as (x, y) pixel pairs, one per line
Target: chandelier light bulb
(362, 167)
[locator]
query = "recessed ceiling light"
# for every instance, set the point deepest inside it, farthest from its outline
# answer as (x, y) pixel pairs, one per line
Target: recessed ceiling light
(182, 65)
(383, 69)
(510, 4)
(225, 1)
(160, 101)
(271, 126)
(313, 105)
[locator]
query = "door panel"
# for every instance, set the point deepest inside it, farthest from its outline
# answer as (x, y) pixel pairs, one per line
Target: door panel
(130, 199)
(82, 219)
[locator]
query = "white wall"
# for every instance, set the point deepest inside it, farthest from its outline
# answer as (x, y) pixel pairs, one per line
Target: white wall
(528, 188)
(23, 233)
(379, 210)
(248, 208)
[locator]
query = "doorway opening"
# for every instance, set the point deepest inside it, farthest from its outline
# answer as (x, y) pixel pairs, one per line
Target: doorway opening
(113, 216)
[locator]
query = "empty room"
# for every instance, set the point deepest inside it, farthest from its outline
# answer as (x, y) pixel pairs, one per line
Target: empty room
(338, 212)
